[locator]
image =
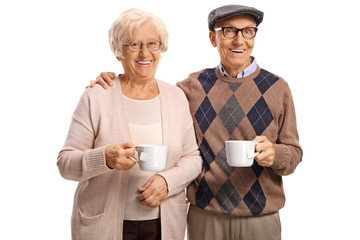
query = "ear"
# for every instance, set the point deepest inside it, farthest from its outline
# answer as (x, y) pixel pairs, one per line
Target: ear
(212, 37)
(119, 58)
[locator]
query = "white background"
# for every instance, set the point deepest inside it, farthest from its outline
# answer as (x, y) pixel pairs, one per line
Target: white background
(50, 50)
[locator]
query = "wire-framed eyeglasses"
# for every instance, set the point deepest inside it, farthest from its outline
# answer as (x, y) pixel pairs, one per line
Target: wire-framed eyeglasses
(232, 32)
(137, 46)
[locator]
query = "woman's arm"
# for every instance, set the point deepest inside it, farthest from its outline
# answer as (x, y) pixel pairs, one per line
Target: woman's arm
(189, 166)
(78, 160)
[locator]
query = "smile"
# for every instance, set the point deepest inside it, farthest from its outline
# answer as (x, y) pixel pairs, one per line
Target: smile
(143, 62)
(237, 50)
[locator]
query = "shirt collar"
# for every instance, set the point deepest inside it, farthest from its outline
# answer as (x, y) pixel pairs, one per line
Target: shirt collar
(246, 72)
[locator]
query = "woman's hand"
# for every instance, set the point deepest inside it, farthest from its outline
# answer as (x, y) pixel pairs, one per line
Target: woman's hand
(104, 80)
(154, 191)
(118, 156)
(267, 156)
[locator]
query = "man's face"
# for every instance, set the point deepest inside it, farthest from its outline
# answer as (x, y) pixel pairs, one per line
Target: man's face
(234, 52)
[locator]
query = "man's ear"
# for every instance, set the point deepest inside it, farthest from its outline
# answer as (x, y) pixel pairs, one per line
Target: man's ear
(212, 37)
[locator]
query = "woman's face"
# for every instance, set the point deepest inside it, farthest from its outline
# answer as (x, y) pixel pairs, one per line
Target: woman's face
(142, 64)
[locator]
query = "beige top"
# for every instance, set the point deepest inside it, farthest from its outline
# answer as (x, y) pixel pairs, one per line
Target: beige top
(144, 117)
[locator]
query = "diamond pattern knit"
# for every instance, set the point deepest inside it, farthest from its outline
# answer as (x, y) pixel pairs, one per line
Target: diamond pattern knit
(226, 108)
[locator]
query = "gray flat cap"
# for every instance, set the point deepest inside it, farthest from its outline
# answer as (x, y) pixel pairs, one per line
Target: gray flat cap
(233, 10)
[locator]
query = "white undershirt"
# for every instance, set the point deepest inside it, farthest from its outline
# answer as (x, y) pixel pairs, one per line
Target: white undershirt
(144, 118)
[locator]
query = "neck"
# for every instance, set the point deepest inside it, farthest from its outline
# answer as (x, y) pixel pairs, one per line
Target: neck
(137, 88)
(134, 81)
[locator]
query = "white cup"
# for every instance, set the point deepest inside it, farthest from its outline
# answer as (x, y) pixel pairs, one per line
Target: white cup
(240, 153)
(151, 157)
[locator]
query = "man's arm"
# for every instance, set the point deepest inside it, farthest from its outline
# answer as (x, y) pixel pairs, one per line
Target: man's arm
(287, 147)
(105, 80)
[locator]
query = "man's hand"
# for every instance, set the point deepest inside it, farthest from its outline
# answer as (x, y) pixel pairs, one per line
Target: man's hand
(267, 156)
(154, 191)
(105, 80)
(118, 156)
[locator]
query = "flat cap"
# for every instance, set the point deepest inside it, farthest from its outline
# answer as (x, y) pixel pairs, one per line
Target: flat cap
(227, 11)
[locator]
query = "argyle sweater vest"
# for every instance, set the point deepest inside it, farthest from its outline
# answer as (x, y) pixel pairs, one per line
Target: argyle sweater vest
(240, 109)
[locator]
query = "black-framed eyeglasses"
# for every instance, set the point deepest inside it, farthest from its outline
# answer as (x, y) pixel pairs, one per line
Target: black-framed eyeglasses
(137, 46)
(232, 32)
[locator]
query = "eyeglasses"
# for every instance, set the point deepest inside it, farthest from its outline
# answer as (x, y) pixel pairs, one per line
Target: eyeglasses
(232, 32)
(137, 46)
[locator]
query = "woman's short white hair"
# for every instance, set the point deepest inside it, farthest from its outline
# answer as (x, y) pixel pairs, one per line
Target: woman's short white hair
(128, 22)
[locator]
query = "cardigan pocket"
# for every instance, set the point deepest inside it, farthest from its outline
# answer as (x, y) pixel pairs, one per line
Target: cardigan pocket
(89, 220)
(93, 196)
(93, 227)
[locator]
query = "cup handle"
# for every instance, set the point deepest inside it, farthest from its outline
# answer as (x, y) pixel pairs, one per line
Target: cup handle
(132, 158)
(252, 154)
(143, 156)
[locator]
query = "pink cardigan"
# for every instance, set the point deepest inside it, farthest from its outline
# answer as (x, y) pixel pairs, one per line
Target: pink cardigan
(99, 201)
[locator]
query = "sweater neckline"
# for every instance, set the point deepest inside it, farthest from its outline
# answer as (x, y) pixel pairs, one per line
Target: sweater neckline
(236, 80)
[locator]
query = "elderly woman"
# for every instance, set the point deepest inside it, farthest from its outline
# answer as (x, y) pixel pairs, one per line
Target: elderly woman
(114, 198)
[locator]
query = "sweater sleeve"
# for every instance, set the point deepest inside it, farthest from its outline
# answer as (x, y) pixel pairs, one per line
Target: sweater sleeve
(185, 85)
(189, 166)
(77, 160)
(287, 148)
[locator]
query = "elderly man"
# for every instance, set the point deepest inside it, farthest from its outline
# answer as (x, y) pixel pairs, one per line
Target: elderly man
(238, 100)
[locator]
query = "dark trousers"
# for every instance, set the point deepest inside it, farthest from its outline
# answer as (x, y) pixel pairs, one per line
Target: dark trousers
(142, 230)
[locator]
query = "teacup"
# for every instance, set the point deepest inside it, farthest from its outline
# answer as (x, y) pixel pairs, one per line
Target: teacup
(151, 157)
(240, 153)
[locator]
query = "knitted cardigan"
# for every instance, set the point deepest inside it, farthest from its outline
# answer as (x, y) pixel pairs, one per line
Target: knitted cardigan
(99, 201)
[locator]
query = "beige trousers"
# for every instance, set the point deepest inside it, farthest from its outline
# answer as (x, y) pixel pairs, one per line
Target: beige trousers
(210, 226)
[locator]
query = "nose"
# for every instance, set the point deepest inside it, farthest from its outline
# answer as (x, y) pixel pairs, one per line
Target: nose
(144, 51)
(239, 39)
